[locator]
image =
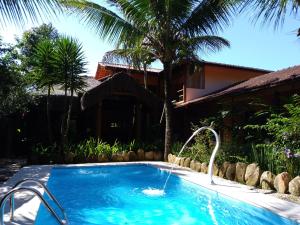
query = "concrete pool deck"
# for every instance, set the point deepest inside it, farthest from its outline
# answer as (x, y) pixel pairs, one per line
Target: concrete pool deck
(223, 187)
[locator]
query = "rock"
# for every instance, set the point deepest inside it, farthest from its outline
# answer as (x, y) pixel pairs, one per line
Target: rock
(170, 158)
(102, 158)
(252, 175)
(149, 156)
(204, 167)
(230, 172)
(177, 160)
(223, 168)
(197, 166)
(240, 171)
(141, 154)
(294, 186)
(215, 170)
(281, 182)
(193, 165)
(267, 180)
(117, 157)
(187, 162)
(132, 156)
(181, 161)
(70, 157)
(125, 156)
(158, 156)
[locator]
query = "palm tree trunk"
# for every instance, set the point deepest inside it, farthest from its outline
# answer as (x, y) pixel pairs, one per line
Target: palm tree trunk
(145, 75)
(168, 109)
(50, 135)
(69, 116)
(63, 124)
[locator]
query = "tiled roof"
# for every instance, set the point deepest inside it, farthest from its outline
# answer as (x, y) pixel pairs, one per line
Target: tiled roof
(256, 83)
(58, 89)
(123, 66)
(235, 66)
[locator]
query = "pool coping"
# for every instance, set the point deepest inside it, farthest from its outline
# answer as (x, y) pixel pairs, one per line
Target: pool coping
(224, 187)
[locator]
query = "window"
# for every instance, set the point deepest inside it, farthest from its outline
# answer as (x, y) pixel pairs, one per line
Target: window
(195, 77)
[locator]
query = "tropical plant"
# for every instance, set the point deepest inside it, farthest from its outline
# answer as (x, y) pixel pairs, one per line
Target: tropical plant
(273, 10)
(28, 42)
(20, 11)
(172, 29)
(69, 64)
(44, 75)
(281, 147)
(14, 97)
(137, 57)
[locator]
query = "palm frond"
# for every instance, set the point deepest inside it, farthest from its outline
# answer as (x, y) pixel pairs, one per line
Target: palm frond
(272, 10)
(209, 16)
(21, 11)
(108, 24)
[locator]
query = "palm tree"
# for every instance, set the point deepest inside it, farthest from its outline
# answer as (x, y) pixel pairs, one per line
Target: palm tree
(137, 56)
(43, 74)
(167, 27)
(20, 11)
(70, 63)
(273, 10)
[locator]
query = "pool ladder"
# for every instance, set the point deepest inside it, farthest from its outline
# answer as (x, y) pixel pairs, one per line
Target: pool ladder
(18, 188)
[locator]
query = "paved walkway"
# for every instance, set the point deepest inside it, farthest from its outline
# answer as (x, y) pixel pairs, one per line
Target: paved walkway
(8, 167)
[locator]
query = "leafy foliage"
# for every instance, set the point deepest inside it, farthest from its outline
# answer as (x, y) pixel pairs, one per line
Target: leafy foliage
(281, 148)
(14, 97)
(20, 11)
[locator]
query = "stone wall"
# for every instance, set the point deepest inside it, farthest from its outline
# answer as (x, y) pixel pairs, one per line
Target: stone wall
(249, 174)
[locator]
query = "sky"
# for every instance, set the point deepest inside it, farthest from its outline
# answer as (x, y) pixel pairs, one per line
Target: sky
(252, 45)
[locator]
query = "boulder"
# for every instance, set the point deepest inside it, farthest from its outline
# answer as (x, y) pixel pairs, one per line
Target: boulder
(170, 158)
(197, 166)
(132, 156)
(177, 160)
(149, 156)
(204, 167)
(125, 156)
(187, 162)
(182, 159)
(103, 158)
(252, 175)
(215, 170)
(294, 186)
(267, 180)
(158, 156)
(193, 165)
(140, 154)
(240, 171)
(69, 157)
(223, 168)
(230, 172)
(117, 157)
(281, 182)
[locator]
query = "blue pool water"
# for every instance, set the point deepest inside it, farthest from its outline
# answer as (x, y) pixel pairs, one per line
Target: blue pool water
(113, 195)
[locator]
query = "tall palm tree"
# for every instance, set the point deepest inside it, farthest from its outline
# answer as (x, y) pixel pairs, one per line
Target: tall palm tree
(273, 10)
(140, 57)
(43, 74)
(70, 63)
(168, 27)
(20, 11)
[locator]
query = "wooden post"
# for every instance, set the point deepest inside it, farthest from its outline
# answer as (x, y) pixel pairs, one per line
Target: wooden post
(99, 120)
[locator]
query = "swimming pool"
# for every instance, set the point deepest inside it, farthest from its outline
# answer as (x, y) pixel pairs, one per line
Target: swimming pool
(113, 195)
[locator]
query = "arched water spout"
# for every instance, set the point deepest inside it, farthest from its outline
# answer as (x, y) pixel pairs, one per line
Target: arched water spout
(212, 158)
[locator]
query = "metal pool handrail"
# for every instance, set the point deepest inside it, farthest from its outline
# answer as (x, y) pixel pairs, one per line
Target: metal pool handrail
(36, 193)
(28, 180)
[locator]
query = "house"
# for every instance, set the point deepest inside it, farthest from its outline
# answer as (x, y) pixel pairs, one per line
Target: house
(271, 88)
(200, 89)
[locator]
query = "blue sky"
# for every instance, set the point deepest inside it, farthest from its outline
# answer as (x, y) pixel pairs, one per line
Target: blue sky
(252, 45)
